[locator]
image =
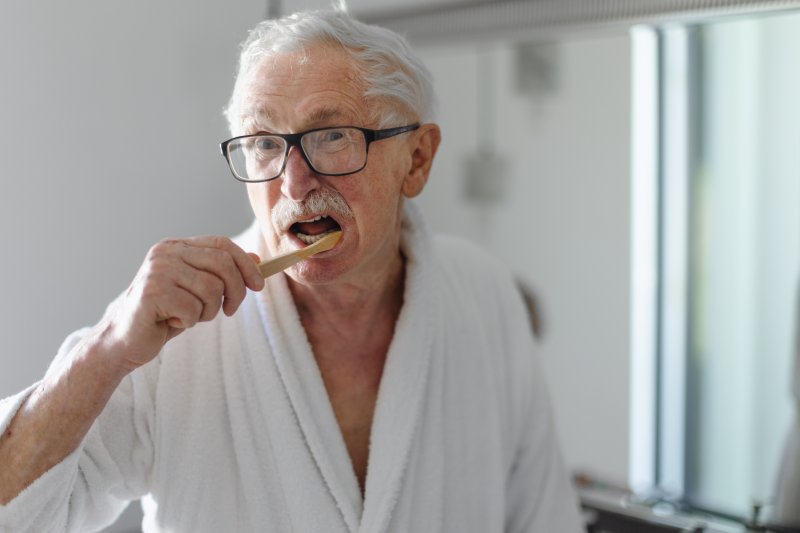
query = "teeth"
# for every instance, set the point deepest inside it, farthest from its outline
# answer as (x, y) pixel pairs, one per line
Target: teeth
(311, 239)
(316, 218)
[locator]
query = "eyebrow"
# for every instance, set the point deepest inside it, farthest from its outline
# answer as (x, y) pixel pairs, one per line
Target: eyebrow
(325, 114)
(253, 116)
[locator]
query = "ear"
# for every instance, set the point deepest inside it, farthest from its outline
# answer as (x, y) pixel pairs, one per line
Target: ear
(426, 142)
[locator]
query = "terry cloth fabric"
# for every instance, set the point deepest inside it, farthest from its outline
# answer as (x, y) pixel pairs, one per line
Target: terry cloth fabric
(231, 429)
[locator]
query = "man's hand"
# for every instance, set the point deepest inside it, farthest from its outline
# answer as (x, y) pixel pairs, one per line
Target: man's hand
(180, 283)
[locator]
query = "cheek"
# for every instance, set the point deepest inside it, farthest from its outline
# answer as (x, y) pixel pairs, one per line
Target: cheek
(254, 195)
(377, 208)
(261, 197)
(261, 202)
(384, 180)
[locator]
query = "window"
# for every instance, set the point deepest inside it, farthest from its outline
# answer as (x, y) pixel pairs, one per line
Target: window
(728, 257)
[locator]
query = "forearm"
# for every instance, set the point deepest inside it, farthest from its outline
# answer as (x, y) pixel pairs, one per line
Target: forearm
(58, 413)
(180, 283)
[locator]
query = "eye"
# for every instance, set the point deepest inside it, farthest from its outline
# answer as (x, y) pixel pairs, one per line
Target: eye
(329, 136)
(266, 144)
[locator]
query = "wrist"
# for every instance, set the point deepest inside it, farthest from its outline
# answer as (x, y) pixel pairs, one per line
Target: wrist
(102, 351)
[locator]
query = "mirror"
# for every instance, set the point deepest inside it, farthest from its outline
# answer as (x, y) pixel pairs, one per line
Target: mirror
(539, 166)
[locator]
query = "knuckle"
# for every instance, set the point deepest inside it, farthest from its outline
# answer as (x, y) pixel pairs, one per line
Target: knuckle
(160, 255)
(218, 254)
(228, 268)
(151, 291)
(210, 311)
(193, 312)
(162, 247)
(239, 291)
(219, 242)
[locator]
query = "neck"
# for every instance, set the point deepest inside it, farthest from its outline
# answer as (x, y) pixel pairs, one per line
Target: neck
(352, 309)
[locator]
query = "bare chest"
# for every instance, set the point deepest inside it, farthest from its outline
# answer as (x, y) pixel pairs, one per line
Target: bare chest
(351, 366)
(353, 391)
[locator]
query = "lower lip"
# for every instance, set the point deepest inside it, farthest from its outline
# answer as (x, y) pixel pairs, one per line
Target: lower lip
(300, 244)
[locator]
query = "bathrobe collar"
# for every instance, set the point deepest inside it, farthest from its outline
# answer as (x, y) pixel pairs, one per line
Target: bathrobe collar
(400, 397)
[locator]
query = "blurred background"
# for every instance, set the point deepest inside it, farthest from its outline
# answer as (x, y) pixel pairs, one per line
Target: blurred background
(636, 164)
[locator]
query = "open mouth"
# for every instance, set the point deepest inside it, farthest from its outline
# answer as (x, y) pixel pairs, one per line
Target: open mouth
(312, 230)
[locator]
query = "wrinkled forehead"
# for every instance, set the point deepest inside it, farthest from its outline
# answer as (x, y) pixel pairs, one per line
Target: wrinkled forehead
(259, 116)
(325, 84)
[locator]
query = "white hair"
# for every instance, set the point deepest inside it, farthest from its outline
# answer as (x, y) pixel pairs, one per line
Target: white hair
(390, 69)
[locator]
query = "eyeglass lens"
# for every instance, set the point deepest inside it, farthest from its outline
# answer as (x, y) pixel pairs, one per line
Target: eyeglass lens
(329, 151)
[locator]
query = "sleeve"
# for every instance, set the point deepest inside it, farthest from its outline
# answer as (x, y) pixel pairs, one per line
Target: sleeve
(89, 488)
(541, 498)
(540, 495)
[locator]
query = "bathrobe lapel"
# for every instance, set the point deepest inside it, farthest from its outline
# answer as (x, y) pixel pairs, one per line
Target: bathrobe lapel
(309, 401)
(398, 413)
(402, 392)
(255, 400)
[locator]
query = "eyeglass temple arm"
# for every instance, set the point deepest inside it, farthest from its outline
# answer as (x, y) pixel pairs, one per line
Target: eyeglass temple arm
(377, 135)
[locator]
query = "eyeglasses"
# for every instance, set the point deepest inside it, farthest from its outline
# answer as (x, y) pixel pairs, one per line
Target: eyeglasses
(327, 151)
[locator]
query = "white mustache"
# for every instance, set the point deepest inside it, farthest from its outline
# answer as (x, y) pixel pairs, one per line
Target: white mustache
(318, 202)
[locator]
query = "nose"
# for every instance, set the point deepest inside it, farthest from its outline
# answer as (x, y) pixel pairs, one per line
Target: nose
(297, 179)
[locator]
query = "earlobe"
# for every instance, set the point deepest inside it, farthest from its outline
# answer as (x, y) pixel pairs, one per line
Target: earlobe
(428, 138)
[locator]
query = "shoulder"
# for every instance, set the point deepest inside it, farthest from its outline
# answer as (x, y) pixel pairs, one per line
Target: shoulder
(465, 267)
(460, 248)
(481, 291)
(484, 304)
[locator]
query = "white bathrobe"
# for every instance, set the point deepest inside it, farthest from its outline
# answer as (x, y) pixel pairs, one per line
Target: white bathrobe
(230, 429)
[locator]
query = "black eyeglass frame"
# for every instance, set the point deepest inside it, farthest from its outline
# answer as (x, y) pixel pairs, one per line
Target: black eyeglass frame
(293, 139)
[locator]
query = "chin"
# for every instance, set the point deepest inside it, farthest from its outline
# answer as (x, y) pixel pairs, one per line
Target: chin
(315, 272)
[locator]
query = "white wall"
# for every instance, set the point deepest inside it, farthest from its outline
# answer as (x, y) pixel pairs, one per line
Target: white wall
(563, 219)
(111, 115)
(111, 119)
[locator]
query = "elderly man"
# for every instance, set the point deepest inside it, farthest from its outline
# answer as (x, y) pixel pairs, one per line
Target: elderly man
(385, 385)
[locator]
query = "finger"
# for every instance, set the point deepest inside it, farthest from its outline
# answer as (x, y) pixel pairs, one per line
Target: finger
(179, 308)
(244, 262)
(175, 324)
(170, 265)
(220, 264)
(247, 264)
(206, 287)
